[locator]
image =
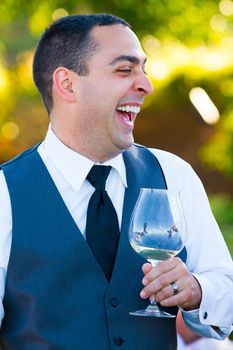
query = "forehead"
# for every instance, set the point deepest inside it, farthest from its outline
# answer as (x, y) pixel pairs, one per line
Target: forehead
(117, 40)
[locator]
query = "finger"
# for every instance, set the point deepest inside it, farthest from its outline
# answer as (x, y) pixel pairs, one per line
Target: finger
(155, 281)
(181, 299)
(174, 300)
(188, 296)
(146, 268)
(162, 285)
(164, 293)
(154, 273)
(170, 290)
(162, 268)
(160, 282)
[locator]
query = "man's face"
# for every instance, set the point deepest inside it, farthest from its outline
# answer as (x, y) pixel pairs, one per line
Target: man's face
(109, 98)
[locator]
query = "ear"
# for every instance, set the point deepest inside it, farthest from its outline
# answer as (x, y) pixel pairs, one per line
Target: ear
(63, 84)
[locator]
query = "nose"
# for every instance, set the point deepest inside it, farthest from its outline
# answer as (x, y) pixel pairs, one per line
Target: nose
(143, 85)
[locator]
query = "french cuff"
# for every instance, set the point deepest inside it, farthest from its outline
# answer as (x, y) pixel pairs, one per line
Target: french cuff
(211, 311)
(192, 321)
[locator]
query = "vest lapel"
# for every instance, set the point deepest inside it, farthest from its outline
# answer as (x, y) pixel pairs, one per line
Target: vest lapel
(63, 215)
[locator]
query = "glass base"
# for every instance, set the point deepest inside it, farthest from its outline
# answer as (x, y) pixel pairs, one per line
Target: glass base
(152, 311)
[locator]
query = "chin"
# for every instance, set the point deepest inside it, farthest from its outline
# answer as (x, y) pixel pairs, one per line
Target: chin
(122, 141)
(126, 143)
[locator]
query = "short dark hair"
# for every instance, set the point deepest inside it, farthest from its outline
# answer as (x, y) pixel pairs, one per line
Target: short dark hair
(68, 43)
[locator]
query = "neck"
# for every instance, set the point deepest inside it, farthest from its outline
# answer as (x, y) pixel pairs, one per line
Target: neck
(82, 145)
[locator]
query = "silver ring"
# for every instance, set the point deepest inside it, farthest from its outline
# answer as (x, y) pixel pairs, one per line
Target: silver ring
(175, 288)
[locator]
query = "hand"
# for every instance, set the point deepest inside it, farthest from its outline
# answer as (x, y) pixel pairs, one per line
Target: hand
(158, 279)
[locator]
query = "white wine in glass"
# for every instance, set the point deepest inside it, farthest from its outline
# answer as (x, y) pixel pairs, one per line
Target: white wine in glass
(157, 232)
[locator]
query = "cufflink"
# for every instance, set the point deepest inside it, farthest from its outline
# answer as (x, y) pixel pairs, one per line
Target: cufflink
(205, 315)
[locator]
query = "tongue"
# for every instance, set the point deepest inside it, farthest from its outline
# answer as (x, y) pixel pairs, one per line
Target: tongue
(129, 115)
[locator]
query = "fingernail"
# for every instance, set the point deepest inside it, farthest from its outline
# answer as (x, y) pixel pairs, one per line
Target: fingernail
(144, 281)
(143, 294)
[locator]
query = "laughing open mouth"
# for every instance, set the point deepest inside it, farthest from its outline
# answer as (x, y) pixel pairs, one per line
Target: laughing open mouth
(128, 110)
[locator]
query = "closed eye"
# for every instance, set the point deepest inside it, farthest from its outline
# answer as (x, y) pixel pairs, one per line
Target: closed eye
(126, 70)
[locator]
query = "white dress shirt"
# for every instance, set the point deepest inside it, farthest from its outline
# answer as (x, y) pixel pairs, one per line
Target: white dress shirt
(208, 257)
(205, 344)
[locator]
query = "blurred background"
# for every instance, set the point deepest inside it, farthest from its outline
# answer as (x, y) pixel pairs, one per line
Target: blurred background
(189, 44)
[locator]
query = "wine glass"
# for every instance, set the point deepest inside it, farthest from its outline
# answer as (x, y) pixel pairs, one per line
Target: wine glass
(157, 232)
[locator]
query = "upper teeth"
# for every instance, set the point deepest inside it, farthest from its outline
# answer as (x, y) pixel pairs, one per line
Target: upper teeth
(133, 109)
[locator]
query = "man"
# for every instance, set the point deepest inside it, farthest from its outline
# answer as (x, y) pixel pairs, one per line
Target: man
(90, 72)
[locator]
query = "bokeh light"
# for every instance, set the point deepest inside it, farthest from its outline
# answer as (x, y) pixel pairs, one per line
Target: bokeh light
(59, 13)
(10, 130)
(226, 7)
(204, 105)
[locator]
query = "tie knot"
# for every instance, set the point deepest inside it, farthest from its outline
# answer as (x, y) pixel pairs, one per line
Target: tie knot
(97, 176)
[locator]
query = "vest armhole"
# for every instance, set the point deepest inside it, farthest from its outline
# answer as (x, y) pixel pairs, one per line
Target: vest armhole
(19, 156)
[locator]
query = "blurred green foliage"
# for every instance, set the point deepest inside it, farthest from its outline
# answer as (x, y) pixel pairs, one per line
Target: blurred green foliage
(222, 207)
(218, 152)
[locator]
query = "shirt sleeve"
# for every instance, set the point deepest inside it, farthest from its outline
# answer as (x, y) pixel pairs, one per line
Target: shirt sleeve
(210, 262)
(5, 237)
(208, 257)
(192, 320)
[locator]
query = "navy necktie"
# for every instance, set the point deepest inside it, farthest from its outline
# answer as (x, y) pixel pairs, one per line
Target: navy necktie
(102, 228)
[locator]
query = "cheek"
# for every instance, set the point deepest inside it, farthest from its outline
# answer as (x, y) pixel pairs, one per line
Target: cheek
(104, 94)
(93, 95)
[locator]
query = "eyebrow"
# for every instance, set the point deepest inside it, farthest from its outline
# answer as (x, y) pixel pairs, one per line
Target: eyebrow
(131, 59)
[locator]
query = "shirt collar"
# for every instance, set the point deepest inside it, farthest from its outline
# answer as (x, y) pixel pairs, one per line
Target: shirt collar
(72, 165)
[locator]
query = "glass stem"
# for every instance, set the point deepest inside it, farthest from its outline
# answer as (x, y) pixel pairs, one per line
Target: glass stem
(152, 301)
(153, 305)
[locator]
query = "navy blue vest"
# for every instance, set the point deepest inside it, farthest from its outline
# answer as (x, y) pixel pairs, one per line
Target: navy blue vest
(56, 295)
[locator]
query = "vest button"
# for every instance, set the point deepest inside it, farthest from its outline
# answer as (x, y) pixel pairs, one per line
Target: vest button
(118, 341)
(114, 302)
